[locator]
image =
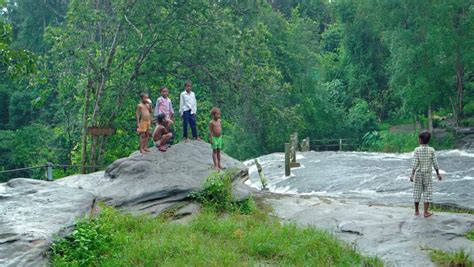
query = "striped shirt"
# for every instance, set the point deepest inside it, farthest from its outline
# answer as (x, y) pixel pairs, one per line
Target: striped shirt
(423, 158)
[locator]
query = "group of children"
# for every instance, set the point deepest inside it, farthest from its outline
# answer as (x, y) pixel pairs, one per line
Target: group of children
(163, 115)
(423, 161)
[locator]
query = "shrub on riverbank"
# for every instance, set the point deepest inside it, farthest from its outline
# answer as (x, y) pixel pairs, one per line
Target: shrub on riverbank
(390, 142)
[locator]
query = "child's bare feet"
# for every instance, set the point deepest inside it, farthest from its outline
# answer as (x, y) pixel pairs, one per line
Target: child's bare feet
(147, 150)
(220, 166)
(198, 138)
(428, 214)
(186, 140)
(417, 213)
(162, 148)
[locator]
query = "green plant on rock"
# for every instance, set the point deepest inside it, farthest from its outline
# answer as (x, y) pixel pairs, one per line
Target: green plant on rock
(89, 240)
(470, 234)
(217, 195)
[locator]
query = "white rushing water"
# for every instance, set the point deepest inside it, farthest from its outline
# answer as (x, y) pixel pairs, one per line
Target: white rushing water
(377, 178)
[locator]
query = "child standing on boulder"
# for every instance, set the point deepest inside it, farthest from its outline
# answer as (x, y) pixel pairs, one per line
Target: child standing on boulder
(187, 110)
(143, 115)
(424, 158)
(215, 137)
(164, 105)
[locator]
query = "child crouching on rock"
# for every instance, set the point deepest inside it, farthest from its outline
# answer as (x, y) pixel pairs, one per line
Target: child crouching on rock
(215, 137)
(162, 133)
(424, 157)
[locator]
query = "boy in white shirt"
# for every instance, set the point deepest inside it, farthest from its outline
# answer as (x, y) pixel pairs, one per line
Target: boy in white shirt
(187, 110)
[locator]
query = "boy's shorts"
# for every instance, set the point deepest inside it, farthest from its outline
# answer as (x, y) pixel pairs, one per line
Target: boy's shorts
(144, 126)
(423, 185)
(217, 142)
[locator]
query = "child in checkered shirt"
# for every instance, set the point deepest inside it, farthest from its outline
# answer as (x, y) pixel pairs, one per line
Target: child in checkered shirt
(424, 157)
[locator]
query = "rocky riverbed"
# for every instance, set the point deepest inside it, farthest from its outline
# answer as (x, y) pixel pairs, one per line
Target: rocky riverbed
(365, 199)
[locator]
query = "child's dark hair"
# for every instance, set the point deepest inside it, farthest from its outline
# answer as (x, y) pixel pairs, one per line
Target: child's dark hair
(160, 119)
(187, 82)
(214, 111)
(163, 88)
(143, 94)
(425, 137)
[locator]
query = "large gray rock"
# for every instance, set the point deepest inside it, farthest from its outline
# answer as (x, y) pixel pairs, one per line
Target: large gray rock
(392, 233)
(32, 212)
(155, 181)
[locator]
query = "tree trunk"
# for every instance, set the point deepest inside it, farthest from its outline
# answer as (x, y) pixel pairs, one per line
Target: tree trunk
(460, 86)
(455, 113)
(85, 118)
(93, 156)
(430, 120)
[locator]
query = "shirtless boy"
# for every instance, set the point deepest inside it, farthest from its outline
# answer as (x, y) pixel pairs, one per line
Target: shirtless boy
(162, 133)
(143, 115)
(215, 137)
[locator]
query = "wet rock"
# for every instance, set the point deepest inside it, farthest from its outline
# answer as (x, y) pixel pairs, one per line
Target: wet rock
(392, 233)
(32, 213)
(154, 181)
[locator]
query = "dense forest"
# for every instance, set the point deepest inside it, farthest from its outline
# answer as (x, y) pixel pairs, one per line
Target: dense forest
(326, 69)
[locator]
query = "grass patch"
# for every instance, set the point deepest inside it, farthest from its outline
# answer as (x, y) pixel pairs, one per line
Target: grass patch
(450, 209)
(470, 234)
(455, 258)
(227, 233)
(116, 239)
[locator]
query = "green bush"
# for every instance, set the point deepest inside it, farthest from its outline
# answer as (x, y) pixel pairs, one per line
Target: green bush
(87, 243)
(390, 142)
(469, 109)
(217, 195)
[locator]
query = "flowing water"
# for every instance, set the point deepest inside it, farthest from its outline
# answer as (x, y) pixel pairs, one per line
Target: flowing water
(373, 178)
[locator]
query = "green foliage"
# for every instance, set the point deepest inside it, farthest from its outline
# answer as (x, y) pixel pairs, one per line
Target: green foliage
(454, 258)
(116, 239)
(470, 234)
(89, 240)
(217, 195)
(451, 209)
(469, 109)
(360, 119)
(326, 69)
(387, 141)
(32, 145)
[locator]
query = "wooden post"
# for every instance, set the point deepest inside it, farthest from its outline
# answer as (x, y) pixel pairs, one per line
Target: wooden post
(287, 159)
(263, 180)
(294, 147)
(305, 145)
(49, 171)
(340, 144)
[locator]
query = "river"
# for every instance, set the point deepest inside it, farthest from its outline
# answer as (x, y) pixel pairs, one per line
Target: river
(371, 178)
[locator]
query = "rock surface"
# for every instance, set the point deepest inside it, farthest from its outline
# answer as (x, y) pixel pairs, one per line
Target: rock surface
(32, 212)
(392, 233)
(155, 181)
